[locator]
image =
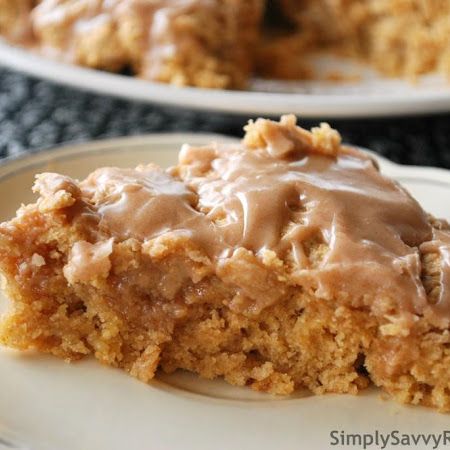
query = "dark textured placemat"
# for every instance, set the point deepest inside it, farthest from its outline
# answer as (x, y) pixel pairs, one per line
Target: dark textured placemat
(36, 114)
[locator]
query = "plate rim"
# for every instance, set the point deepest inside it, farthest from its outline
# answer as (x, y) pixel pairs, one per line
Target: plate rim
(225, 101)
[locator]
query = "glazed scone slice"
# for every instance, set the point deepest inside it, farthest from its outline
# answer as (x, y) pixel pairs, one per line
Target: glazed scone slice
(399, 38)
(204, 43)
(83, 32)
(284, 262)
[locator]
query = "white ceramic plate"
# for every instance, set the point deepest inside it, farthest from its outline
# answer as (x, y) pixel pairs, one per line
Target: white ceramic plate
(46, 404)
(371, 96)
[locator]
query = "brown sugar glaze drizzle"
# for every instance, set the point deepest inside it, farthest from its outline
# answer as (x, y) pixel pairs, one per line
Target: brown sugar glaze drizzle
(146, 202)
(263, 199)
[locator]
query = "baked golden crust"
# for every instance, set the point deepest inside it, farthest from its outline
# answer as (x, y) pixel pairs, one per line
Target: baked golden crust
(82, 281)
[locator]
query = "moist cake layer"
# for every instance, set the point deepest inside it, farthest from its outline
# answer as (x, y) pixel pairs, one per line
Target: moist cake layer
(284, 262)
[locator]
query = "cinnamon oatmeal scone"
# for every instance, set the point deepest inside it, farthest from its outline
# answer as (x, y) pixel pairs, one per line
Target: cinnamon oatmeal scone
(84, 32)
(202, 43)
(403, 38)
(222, 43)
(285, 262)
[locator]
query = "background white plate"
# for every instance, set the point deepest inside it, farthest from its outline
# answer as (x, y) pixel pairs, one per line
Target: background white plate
(372, 96)
(46, 404)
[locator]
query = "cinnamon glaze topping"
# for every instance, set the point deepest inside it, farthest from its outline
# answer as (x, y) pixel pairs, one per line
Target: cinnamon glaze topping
(286, 190)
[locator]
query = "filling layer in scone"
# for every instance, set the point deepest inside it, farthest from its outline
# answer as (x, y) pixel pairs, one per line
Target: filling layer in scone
(287, 261)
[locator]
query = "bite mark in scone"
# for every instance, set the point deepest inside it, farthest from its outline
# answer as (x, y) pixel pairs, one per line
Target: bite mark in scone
(283, 262)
